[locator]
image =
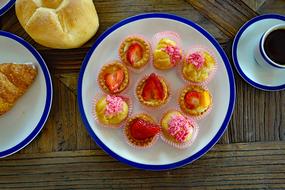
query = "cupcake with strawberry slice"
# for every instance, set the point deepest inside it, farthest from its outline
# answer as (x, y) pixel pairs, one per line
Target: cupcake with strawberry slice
(152, 91)
(135, 52)
(195, 101)
(113, 78)
(141, 131)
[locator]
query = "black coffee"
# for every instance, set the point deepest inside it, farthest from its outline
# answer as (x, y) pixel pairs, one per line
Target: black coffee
(274, 46)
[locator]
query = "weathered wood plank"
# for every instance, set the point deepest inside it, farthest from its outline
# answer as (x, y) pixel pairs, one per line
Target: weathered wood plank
(228, 15)
(111, 12)
(254, 5)
(256, 165)
(272, 6)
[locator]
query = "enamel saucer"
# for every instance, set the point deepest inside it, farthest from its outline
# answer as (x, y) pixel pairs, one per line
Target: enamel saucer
(243, 49)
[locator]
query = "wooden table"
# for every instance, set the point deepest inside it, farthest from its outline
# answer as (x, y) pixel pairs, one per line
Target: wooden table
(251, 153)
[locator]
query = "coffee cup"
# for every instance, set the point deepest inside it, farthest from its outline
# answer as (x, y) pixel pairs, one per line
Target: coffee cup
(270, 51)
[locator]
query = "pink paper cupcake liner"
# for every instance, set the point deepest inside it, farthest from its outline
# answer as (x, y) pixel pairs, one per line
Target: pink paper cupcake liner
(132, 69)
(154, 140)
(204, 114)
(152, 108)
(211, 74)
(96, 98)
(109, 63)
(185, 144)
(166, 34)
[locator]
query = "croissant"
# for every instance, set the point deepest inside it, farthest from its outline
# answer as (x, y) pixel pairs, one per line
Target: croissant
(15, 79)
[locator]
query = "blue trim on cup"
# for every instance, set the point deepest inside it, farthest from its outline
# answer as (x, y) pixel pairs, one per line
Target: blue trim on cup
(48, 103)
(224, 124)
(234, 52)
(264, 56)
(7, 7)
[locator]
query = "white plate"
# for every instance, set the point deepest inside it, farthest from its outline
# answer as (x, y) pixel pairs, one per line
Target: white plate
(160, 156)
(5, 5)
(21, 125)
(244, 45)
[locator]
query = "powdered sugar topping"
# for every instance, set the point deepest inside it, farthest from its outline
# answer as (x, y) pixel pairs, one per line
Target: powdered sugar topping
(197, 59)
(114, 105)
(174, 53)
(179, 128)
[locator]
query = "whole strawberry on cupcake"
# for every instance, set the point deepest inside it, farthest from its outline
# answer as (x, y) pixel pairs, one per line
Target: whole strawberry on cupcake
(141, 131)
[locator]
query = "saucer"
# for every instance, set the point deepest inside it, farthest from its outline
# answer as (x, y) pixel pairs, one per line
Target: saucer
(243, 54)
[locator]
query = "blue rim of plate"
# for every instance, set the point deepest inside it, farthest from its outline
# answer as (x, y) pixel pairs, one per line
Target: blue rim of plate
(224, 124)
(7, 7)
(48, 103)
(234, 52)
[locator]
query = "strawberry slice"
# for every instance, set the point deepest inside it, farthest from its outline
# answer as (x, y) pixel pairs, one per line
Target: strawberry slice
(114, 79)
(141, 129)
(192, 99)
(153, 88)
(134, 53)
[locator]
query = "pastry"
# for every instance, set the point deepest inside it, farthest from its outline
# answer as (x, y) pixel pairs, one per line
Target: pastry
(152, 91)
(111, 109)
(141, 131)
(15, 79)
(58, 24)
(197, 66)
(135, 52)
(167, 54)
(195, 100)
(177, 129)
(113, 78)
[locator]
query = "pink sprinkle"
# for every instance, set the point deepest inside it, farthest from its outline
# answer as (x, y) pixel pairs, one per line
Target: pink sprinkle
(179, 128)
(114, 105)
(196, 59)
(174, 53)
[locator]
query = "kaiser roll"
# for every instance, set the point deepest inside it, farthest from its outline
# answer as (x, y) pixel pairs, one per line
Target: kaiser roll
(61, 24)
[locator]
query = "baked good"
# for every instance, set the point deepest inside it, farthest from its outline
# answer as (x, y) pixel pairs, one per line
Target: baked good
(177, 129)
(195, 100)
(152, 91)
(114, 77)
(167, 54)
(198, 65)
(61, 24)
(15, 79)
(111, 110)
(135, 52)
(141, 131)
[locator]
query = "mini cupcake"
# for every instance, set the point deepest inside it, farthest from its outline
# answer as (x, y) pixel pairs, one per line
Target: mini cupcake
(152, 91)
(198, 66)
(195, 101)
(111, 110)
(113, 78)
(177, 129)
(141, 131)
(167, 53)
(135, 52)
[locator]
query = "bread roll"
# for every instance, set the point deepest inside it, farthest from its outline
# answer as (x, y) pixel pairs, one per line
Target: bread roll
(61, 24)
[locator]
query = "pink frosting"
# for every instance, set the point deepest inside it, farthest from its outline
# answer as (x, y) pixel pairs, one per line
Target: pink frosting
(114, 105)
(179, 128)
(196, 59)
(174, 53)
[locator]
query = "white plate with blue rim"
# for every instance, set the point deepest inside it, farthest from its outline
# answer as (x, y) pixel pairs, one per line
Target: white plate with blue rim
(243, 48)
(24, 121)
(160, 156)
(5, 5)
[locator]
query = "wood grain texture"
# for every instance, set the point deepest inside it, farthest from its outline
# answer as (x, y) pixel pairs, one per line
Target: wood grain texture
(235, 166)
(228, 15)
